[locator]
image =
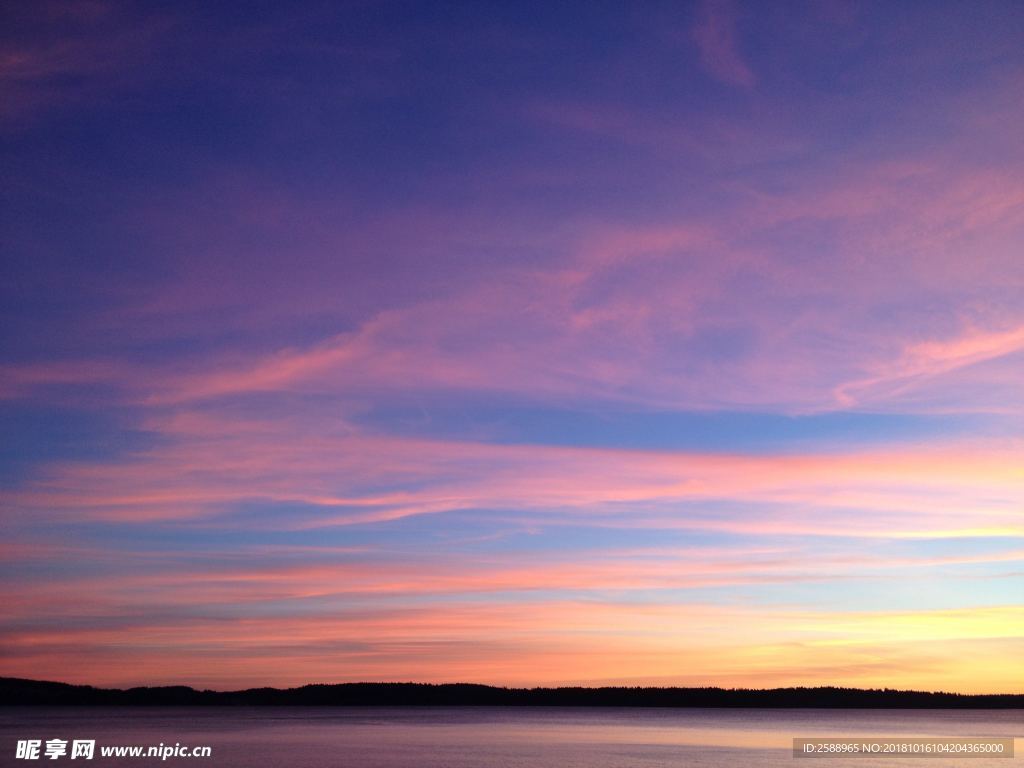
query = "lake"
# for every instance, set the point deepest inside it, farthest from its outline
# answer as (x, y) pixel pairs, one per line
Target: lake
(464, 737)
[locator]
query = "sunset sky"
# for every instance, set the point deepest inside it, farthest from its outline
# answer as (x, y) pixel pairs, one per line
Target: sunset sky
(514, 343)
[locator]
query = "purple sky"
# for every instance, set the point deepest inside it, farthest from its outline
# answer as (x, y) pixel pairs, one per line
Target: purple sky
(676, 343)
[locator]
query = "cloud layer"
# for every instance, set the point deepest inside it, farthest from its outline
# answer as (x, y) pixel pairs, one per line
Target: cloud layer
(681, 346)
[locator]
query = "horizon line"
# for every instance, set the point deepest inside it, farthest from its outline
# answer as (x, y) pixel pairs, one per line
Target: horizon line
(49, 691)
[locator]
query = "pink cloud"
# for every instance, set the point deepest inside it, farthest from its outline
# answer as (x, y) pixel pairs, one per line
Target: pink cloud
(203, 467)
(79, 51)
(925, 360)
(716, 38)
(608, 317)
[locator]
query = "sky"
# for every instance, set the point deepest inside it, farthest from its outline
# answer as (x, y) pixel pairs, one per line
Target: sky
(513, 343)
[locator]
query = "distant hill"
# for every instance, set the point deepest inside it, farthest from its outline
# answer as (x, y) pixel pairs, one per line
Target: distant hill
(19, 692)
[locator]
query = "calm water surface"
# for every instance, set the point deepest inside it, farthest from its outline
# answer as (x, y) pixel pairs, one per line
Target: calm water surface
(497, 737)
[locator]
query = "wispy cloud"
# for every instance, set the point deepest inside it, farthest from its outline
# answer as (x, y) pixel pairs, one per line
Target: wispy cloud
(715, 34)
(925, 360)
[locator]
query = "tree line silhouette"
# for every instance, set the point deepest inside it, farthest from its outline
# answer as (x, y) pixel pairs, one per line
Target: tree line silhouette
(21, 692)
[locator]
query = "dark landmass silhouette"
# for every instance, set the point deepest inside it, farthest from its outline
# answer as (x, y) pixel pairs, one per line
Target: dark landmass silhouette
(20, 692)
